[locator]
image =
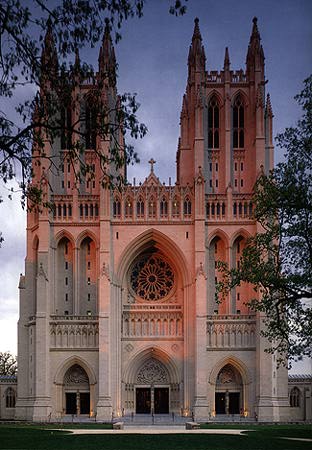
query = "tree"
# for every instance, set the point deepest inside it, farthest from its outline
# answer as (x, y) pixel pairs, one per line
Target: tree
(278, 260)
(8, 364)
(39, 51)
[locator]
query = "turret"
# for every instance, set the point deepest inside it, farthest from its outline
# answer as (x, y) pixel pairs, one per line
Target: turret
(196, 57)
(255, 55)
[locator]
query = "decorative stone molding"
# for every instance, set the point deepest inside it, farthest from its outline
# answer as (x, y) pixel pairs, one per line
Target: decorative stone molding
(74, 335)
(152, 324)
(152, 372)
(231, 332)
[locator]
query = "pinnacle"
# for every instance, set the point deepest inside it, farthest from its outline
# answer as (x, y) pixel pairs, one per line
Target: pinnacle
(269, 110)
(255, 35)
(227, 59)
(196, 34)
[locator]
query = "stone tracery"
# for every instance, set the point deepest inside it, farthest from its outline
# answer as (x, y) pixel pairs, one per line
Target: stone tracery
(151, 278)
(152, 372)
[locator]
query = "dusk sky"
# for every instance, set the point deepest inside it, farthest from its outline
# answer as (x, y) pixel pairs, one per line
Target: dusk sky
(152, 58)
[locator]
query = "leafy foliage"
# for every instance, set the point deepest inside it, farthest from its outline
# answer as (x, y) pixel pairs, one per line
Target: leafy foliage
(8, 364)
(278, 260)
(40, 70)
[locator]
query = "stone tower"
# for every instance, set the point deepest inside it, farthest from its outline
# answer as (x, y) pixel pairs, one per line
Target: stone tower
(117, 306)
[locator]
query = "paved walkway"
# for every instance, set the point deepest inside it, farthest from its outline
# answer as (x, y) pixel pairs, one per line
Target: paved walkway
(153, 430)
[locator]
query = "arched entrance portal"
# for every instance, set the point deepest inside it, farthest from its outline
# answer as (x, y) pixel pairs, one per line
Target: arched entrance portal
(229, 391)
(152, 383)
(152, 388)
(76, 391)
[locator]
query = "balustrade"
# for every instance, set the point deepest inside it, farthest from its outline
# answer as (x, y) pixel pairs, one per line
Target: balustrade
(74, 332)
(152, 324)
(231, 331)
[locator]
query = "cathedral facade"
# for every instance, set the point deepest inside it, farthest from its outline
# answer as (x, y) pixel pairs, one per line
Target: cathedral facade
(117, 306)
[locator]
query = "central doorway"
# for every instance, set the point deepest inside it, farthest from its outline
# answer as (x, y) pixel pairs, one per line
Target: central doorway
(143, 401)
(161, 400)
(227, 402)
(149, 399)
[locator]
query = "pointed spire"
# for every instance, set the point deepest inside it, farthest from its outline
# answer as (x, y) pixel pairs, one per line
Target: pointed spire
(107, 60)
(227, 62)
(184, 107)
(197, 56)
(255, 49)
(255, 35)
(268, 107)
(49, 60)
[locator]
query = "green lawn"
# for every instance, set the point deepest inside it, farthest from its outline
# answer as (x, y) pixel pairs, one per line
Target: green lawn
(31, 437)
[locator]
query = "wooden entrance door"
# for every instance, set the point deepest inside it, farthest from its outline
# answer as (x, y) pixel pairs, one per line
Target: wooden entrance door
(161, 400)
(143, 401)
(234, 403)
(220, 403)
(84, 403)
(71, 405)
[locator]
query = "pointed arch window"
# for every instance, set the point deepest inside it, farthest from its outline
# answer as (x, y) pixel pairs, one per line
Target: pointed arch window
(151, 208)
(66, 126)
(294, 397)
(213, 123)
(116, 207)
(175, 207)
(128, 208)
(238, 123)
(10, 398)
(140, 208)
(187, 207)
(163, 207)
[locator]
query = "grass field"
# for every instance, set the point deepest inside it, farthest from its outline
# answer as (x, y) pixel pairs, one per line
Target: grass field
(35, 437)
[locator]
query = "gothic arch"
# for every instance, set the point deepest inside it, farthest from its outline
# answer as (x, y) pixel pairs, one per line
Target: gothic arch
(157, 239)
(242, 94)
(239, 233)
(220, 234)
(64, 234)
(84, 234)
(217, 95)
(65, 365)
(235, 362)
(143, 356)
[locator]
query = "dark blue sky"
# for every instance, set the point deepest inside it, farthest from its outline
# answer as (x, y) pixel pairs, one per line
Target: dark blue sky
(152, 59)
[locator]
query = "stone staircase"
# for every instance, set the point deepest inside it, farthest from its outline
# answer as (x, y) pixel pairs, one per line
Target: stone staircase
(231, 418)
(156, 419)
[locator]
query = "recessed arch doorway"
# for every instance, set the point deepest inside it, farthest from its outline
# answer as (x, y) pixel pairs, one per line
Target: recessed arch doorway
(152, 388)
(76, 391)
(229, 391)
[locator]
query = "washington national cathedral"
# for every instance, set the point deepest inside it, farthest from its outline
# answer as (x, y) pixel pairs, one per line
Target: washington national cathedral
(117, 306)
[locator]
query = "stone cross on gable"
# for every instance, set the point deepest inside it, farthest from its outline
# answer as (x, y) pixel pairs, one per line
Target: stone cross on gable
(152, 162)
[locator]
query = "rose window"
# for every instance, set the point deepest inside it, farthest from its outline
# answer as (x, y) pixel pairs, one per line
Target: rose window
(151, 278)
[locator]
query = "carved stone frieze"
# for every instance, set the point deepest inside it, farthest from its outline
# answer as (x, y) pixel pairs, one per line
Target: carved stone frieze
(231, 334)
(152, 323)
(74, 335)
